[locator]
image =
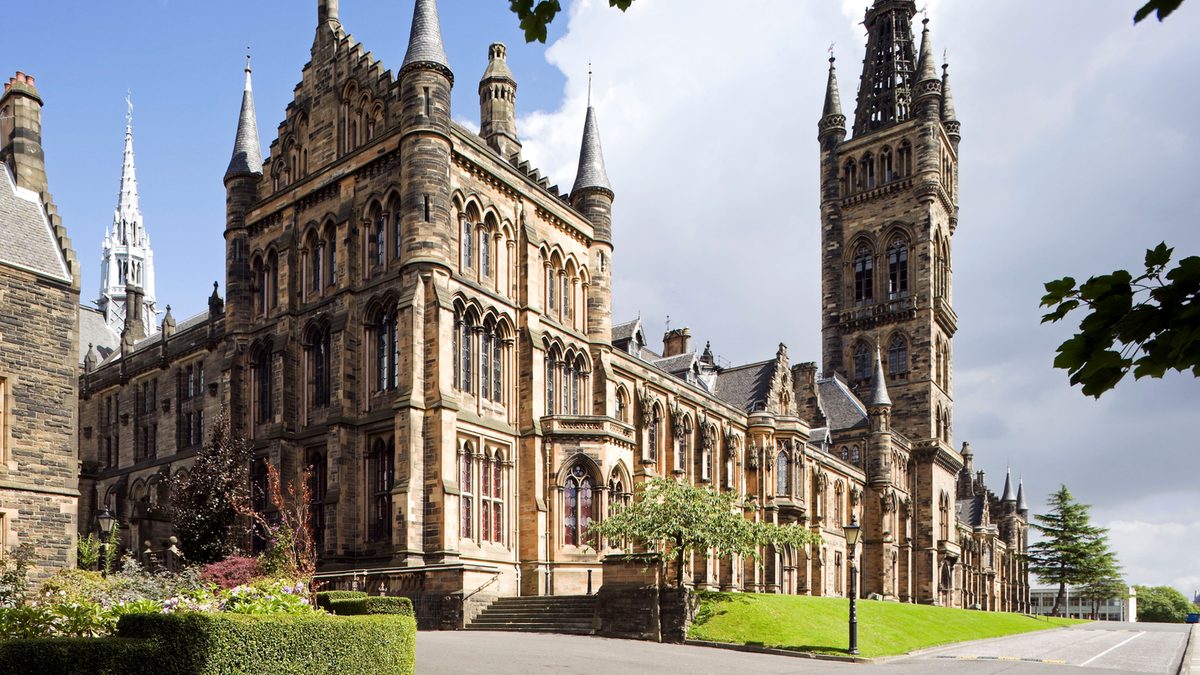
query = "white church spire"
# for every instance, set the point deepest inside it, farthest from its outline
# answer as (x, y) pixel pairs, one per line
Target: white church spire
(127, 259)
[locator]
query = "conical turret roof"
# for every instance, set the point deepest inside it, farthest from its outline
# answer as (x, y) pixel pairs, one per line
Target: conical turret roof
(879, 392)
(592, 173)
(425, 40)
(948, 114)
(926, 70)
(1021, 505)
(1008, 491)
(833, 100)
(247, 154)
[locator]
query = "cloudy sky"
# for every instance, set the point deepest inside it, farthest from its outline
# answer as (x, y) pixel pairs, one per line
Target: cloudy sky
(1079, 151)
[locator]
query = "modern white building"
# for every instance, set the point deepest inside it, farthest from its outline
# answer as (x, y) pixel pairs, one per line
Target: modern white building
(1041, 602)
(126, 258)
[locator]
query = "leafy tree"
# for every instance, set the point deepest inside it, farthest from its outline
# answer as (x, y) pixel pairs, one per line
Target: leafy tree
(677, 519)
(1155, 318)
(1161, 604)
(536, 17)
(288, 528)
(14, 574)
(1071, 545)
(203, 500)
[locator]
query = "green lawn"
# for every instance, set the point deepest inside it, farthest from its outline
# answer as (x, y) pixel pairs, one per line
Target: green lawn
(821, 624)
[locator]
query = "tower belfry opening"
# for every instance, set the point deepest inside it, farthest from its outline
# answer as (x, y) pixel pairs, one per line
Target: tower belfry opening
(885, 96)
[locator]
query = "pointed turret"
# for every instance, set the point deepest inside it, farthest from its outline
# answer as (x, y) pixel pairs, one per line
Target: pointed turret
(926, 70)
(949, 117)
(879, 392)
(591, 174)
(832, 127)
(127, 220)
(1022, 507)
(425, 39)
(168, 324)
(89, 359)
(498, 104)
(885, 90)
(927, 96)
(1008, 491)
(247, 153)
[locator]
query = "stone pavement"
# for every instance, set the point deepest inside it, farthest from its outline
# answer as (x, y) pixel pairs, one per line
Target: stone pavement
(1098, 648)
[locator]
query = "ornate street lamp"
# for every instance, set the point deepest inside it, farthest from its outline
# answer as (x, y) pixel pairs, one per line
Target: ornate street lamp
(853, 532)
(106, 521)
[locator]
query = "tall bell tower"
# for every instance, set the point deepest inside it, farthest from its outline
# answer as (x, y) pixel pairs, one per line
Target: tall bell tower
(889, 209)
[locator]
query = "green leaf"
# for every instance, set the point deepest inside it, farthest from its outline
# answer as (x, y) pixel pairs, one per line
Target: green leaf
(1158, 256)
(1163, 8)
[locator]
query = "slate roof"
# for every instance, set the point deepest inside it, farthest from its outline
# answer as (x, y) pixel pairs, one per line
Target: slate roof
(677, 365)
(746, 387)
(26, 239)
(839, 405)
(624, 331)
(591, 173)
(425, 40)
(970, 510)
(156, 338)
(94, 331)
(247, 155)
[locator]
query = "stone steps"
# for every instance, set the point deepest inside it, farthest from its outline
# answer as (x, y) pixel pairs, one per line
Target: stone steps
(572, 614)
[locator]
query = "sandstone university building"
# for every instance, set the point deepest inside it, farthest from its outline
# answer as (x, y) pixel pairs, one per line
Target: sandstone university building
(419, 317)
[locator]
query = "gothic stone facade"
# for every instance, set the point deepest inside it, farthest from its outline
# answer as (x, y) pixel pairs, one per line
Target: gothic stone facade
(424, 322)
(39, 294)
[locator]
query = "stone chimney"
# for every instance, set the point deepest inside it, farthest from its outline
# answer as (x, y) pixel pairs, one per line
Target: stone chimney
(134, 306)
(676, 342)
(21, 133)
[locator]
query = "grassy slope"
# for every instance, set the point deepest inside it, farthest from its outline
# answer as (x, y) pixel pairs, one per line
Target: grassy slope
(821, 624)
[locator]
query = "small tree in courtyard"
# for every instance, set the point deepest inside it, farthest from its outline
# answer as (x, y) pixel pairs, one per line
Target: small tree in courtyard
(1104, 580)
(203, 500)
(1070, 548)
(677, 519)
(291, 549)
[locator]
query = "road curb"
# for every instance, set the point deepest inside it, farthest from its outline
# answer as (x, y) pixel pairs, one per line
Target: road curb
(952, 645)
(776, 651)
(1190, 665)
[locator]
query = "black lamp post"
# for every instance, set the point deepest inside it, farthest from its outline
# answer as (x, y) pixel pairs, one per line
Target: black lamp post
(853, 531)
(106, 521)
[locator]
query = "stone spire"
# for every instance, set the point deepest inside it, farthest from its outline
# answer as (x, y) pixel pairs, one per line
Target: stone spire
(949, 117)
(879, 392)
(885, 90)
(247, 154)
(126, 257)
(425, 40)
(926, 70)
(168, 324)
(1022, 507)
(1008, 491)
(591, 174)
(498, 105)
(832, 119)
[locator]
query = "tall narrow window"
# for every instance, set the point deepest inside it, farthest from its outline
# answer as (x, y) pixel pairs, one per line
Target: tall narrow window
(862, 362)
(897, 355)
(331, 257)
(653, 434)
(467, 513)
(565, 377)
(317, 485)
(897, 269)
(485, 498)
(781, 474)
(262, 382)
(550, 368)
(885, 165)
(566, 299)
(319, 367)
(380, 239)
(551, 290)
(485, 374)
(497, 369)
(316, 263)
(465, 345)
(864, 290)
(868, 165)
(576, 375)
(498, 503)
(397, 242)
(467, 242)
(381, 479)
(273, 280)
(485, 255)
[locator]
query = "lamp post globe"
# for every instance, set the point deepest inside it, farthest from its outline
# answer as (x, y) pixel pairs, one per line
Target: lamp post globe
(853, 531)
(106, 521)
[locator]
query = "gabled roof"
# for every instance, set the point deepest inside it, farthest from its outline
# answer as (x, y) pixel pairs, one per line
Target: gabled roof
(746, 387)
(677, 365)
(839, 405)
(93, 330)
(970, 510)
(26, 239)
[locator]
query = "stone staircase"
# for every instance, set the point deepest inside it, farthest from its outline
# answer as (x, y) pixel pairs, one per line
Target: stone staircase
(569, 614)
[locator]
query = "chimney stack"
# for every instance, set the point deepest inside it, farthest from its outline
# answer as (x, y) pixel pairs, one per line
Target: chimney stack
(677, 341)
(21, 133)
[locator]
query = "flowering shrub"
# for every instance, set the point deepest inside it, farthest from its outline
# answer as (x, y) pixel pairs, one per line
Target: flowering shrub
(267, 596)
(236, 570)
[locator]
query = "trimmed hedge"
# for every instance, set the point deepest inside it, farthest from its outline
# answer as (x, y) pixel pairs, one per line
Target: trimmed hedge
(326, 597)
(203, 643)
(78, 656)
(372, 605)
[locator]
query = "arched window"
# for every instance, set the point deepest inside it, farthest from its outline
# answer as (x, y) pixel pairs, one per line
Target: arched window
(730, 453)
(781, 474)
(491, 474)
(904, 158)
(868, 165)
(654, 434)
(316, 262)
(387, 351)
(862, 362)
(397, 240)
(566, 377)
(850, 177)
(466, 345)
(551, 291)
(839, 500)
(898, 269)
(897, 355)
(485, 362)
(330, 256)
(578, 506)
(466, 485)
(317, 486)
(886, 169)
(622, 406)
(578, 384)
(551, 367)
(497, 367)
(319, 367)
(273, 280)
(259, 271)
(485, 254)
(380, 472)
(864, 288)
(944, 516)
(379, 239)
(262, 385)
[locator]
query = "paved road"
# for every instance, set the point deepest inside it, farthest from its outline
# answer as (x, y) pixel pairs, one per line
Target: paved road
(1090, 649)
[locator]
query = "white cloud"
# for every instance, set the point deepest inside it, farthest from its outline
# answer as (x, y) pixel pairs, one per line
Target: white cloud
(1077, 150)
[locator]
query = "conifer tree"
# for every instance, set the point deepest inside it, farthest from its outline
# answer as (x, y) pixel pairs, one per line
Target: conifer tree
(1071, 545)
(1104, 578)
